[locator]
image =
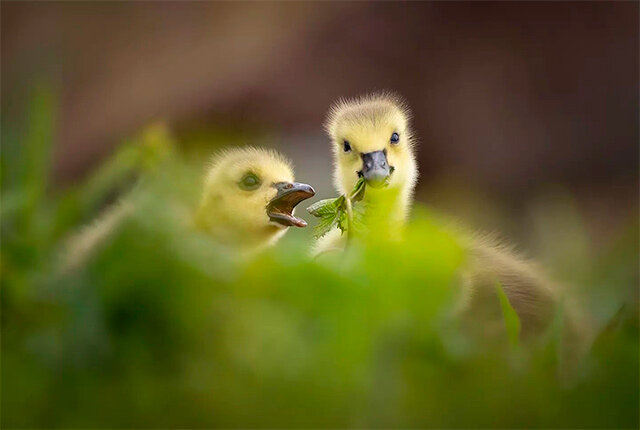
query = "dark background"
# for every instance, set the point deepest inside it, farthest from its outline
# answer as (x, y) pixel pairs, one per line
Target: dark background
(511, 100)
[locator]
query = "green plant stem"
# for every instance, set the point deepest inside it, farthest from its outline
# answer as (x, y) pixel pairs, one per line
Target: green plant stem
(349, 219)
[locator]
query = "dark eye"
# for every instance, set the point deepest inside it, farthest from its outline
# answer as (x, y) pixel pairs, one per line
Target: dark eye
(346, 146)
(249, 182)
(395, 138)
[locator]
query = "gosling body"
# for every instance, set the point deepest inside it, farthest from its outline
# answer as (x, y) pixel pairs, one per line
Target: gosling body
(371, 138)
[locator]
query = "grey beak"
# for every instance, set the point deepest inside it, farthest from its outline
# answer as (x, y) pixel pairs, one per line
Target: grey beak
(280, 209)
(294, 188)
(375, 168)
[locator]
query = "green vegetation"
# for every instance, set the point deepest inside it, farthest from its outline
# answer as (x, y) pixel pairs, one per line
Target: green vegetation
(338, 212)
(160, 328)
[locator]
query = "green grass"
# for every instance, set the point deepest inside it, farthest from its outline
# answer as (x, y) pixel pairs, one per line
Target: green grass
(160, 328)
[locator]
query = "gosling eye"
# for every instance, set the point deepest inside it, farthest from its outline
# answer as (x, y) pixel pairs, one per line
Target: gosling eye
(346, 146)
(395, 138)
(249, 182)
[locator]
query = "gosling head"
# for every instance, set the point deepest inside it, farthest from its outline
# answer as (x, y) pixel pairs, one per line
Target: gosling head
(249, 197)
(371, 138)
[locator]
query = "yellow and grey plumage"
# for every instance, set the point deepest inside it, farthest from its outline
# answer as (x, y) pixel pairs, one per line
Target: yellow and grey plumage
(366, 124)
(541, 304)
(246, 218)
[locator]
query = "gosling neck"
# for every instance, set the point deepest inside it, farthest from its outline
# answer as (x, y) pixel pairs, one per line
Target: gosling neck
(387, 205)
(240, 238)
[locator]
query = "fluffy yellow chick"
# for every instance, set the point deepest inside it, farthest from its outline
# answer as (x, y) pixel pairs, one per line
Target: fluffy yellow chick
(249, 198)
(371, 138)
(247, 203)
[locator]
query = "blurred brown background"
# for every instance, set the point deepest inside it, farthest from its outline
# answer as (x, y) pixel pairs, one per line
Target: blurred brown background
(512, 99)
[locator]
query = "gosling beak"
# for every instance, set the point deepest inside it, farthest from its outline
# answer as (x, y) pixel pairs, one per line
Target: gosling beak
(280, 208)
(375, 168)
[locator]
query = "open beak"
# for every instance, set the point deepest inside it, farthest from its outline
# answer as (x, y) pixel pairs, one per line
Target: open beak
(375, 168)
(280, 208)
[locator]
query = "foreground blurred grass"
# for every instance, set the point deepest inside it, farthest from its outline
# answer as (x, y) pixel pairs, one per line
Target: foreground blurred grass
(162, 329)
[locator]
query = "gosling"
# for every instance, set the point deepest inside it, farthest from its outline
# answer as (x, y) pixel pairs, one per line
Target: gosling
(249, 198)
(247, 204)
(371, 138)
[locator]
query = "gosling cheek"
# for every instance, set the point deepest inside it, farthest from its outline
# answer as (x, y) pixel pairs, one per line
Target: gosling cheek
(349, 167)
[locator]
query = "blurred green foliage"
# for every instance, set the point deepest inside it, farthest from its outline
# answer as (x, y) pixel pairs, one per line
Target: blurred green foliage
(161, 328)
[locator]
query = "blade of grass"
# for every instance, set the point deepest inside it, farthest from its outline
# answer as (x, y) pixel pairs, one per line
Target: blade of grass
(511, 319)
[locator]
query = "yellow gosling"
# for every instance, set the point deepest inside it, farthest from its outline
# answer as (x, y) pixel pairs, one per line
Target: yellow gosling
(249, 198)
(247, 204)
(371, 138)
